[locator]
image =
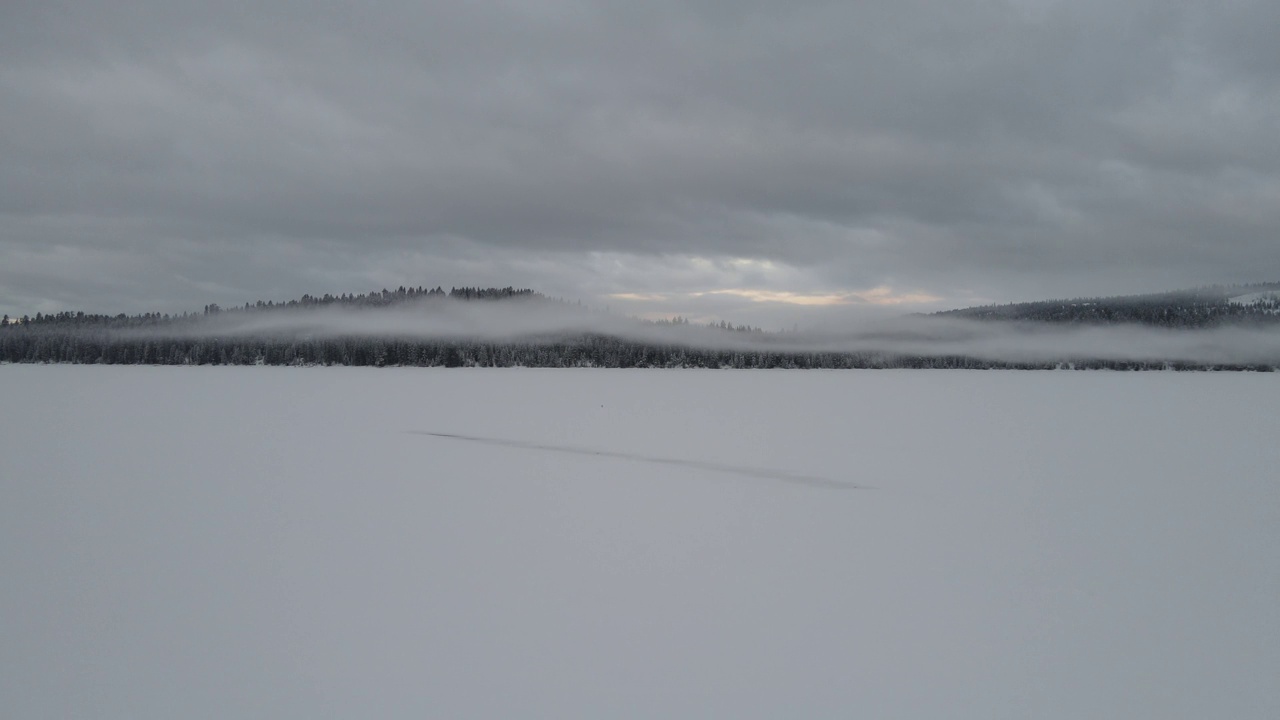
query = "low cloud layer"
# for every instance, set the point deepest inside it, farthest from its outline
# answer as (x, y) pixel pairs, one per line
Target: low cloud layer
(712, 159)
(910, 336)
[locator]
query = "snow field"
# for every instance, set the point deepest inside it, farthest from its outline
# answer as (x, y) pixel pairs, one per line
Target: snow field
(283, 542)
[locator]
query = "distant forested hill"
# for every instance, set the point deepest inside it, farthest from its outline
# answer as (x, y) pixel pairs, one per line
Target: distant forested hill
(505, 327)
(383, 299)
(1199, 308)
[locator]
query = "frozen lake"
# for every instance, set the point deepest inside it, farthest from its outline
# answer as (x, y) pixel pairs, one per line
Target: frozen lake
(297, 543)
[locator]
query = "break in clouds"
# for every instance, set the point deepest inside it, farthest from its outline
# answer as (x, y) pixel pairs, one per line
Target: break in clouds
(748, 161)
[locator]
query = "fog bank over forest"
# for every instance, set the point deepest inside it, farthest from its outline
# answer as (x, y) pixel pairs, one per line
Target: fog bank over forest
(1237, 326)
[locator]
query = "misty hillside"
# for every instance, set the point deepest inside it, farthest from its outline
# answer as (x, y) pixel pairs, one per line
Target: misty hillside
(1195, 308)
(385, 298)
(1209, 328)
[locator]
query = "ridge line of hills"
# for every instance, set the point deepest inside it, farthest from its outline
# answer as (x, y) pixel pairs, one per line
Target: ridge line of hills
(1196, 307)
(520, 327)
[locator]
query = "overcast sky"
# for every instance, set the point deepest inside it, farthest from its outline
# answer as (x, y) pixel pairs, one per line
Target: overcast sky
(762, 162)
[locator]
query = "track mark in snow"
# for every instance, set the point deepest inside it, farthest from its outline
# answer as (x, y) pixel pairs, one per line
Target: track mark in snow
(696, 464)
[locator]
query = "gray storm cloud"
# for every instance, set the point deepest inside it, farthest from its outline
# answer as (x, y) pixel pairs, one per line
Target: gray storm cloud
(161, 155)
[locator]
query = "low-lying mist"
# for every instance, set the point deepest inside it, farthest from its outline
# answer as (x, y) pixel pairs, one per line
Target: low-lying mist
(911, 336)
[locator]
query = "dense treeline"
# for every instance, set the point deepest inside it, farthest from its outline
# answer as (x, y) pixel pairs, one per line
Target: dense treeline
(186, 339)
(385, 298)
(584, 351)
(1200, 308)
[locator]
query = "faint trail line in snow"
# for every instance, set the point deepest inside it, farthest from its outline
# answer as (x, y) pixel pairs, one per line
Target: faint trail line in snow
(696, 464)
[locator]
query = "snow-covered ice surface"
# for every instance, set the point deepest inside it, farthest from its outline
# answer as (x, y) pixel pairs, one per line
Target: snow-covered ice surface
(288, 543)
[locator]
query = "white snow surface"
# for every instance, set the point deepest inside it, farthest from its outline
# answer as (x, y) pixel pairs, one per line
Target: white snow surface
(285, 543)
